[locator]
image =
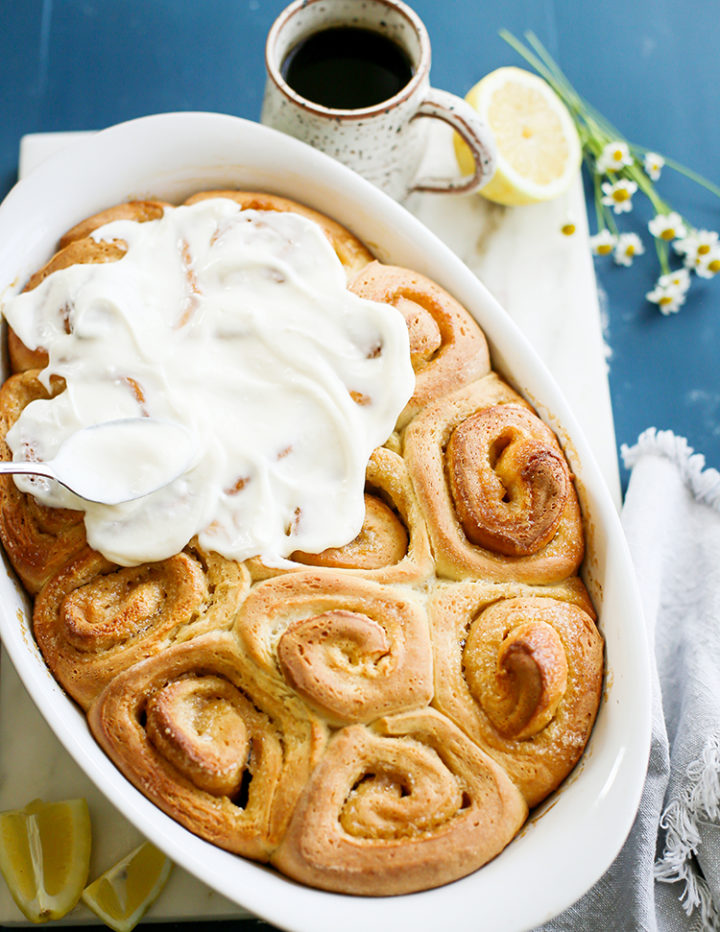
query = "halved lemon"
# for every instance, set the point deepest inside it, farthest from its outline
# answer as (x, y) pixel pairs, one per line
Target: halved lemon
(539, 150)
(122, 895)
(45, 856)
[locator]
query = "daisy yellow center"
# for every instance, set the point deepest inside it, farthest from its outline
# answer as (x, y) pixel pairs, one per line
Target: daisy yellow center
(621, 194)
(714, 266)
(568, 229)
(666, 299)
(703, 249)
(604, 249)
(668, 233)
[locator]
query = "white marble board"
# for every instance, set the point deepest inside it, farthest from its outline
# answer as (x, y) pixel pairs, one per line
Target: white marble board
(545, 281)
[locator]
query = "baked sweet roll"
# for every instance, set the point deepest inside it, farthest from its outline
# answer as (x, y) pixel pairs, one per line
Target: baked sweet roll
(95, 619)
(404, 804)
(495, 487)
(195, 731)
(77, 247)
(353, 254)
(519, 669)
(353, 649)
(139, 211)
(447, 347)
(393, 544)
(38, 540)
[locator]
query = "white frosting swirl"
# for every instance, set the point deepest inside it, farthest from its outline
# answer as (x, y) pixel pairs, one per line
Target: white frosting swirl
(238, 324)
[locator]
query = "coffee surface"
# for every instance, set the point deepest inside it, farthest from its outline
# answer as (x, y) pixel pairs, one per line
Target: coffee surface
(347, 68)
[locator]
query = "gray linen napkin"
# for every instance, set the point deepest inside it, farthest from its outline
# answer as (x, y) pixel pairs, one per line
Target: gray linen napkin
(667, 876)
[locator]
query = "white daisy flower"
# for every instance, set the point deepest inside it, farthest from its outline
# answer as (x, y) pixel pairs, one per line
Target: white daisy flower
(668, 297)
(667, 226)
(619, 195)
(696, 247)
(614, 156)
(679, 279)
(708, 265)
(653, 164)
(603, 243)
(627, 247)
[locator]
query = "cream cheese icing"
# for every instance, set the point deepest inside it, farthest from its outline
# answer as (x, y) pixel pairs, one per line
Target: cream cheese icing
(238, 325)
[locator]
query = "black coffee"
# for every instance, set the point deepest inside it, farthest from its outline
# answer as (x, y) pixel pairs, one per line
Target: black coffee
(346, 68)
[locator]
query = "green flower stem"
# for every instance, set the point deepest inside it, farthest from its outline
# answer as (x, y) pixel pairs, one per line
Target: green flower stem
(599, 212)
(594, 130)
(663, 250)
(636, 174)
(688, 172)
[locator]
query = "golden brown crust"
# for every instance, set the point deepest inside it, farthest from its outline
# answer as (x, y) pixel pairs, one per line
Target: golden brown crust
(407, 804)
(353, 254)
(351, 648)
(447, 347)
(506, 526)
(393, 544)
(240, 798)
(37, 540)
(519, 669)
(94, 619)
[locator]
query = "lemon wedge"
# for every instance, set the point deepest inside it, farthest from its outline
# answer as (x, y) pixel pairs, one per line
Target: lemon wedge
(45, 855)
(121, 896)
(538, 146)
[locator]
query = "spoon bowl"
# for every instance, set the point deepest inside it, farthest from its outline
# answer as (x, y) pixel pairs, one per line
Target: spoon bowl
(116, 461)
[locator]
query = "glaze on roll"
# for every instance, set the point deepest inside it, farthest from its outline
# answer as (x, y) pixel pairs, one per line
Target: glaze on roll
(95, 619)
(495, 488)
(202, 738)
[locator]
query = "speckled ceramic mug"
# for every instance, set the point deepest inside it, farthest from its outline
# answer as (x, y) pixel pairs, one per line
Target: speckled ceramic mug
(385, 142)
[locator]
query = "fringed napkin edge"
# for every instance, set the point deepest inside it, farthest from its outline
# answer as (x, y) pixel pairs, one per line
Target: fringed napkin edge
(700, 800)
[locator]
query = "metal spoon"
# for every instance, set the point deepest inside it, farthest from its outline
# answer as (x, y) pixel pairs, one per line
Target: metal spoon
(116, 461)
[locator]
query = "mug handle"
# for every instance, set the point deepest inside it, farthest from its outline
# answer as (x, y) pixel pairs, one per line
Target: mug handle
(465, 120)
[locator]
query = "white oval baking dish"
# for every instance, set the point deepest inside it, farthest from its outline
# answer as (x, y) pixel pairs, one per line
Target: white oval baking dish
(568, 844)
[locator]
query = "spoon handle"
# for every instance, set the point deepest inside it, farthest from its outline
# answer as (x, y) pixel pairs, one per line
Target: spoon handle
(27, 468)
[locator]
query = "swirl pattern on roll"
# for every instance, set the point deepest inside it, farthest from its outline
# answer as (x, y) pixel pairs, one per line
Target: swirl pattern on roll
(192, 728)
(393, 544)
(519, 669)
(351, 648)
(94, 619)
(447, 348)
(495, 487)
(405, 804)
(38, 540)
